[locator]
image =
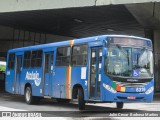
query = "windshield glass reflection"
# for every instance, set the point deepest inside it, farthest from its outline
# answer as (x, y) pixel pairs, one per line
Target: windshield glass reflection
(129, 62)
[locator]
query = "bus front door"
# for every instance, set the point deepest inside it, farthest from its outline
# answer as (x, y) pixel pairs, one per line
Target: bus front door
(95, 72)
(48, 73)
(17, 86)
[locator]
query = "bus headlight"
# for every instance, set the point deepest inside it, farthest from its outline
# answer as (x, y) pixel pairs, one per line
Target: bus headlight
(149, 90)
(109, 88)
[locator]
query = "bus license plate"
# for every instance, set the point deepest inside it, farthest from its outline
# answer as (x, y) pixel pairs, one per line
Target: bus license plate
(131, 97)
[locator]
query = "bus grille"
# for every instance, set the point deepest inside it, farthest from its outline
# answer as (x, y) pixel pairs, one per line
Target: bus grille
(125, 98)
(133, 85)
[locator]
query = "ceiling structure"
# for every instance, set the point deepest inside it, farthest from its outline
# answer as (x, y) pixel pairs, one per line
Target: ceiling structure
(76, 22)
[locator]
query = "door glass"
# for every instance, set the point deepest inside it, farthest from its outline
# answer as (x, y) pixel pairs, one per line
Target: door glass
(18, 74)
(99, 71)
(47, 56)
(48, 71)
(48, 62)
(51, 67)
(93, 73)
(96, 64)
(19, 64)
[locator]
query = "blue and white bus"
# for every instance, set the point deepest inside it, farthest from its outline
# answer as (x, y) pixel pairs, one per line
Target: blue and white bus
(106, 68)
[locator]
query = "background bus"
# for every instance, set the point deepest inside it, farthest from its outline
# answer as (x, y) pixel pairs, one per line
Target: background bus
(107, 68)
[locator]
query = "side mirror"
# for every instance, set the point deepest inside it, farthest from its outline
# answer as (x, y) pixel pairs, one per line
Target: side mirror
(105, 52)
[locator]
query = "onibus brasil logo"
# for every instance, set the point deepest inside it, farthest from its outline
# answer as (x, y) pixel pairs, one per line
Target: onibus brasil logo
(33, 76)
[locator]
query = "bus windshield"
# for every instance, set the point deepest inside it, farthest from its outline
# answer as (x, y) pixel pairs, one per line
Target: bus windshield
(129, 62)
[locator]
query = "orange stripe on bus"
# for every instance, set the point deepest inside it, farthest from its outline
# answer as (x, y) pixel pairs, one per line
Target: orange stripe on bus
(67, 83)
(68, 77)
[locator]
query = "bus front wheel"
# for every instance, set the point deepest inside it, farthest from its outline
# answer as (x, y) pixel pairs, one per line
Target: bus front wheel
(81, 101)
(120, 105)
(29, 98)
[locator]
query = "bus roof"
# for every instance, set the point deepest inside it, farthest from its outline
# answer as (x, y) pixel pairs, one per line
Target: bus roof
(67, 42)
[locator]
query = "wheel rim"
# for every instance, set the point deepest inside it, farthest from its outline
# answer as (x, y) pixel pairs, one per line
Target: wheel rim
(28, 95)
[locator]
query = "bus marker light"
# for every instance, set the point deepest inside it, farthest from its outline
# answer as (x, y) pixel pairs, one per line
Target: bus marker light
(149, 90)
(123, 89)
(118, 88)
(109, 88)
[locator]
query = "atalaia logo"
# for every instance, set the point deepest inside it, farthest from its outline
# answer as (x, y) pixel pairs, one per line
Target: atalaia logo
(33, 76)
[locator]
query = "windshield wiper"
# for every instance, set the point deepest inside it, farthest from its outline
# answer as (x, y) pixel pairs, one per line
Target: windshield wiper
(128, 56)
(137, 59)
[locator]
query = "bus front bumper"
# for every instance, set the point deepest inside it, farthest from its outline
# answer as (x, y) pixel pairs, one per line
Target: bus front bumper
(109, 96)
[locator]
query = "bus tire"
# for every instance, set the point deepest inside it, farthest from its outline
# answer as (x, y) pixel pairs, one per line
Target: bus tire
(81, 101)
(119, 105)
(29, 98)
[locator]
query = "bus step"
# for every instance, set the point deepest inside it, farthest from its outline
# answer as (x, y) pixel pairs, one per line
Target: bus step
(48, 97)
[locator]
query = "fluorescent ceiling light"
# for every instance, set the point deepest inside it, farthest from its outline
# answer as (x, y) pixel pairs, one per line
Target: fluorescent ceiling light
(78, 20)
(111, 30)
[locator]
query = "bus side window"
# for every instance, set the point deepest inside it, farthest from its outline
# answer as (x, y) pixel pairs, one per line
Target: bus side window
(11, 61)
(36, 59)
(63, 56)
(27, 57)
(79, 55)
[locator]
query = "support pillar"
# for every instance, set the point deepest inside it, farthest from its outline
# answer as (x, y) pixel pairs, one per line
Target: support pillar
(157, 60)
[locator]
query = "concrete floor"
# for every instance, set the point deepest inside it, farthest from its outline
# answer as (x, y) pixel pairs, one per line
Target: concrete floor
(49, 107)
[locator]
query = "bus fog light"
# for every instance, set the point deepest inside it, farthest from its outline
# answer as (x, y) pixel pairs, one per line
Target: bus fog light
(109, 88)
(149, 90)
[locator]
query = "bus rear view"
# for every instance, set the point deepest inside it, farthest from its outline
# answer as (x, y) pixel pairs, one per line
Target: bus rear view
(128, 70)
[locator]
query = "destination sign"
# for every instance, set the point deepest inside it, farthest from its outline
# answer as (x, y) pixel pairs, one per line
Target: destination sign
(129, 41)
